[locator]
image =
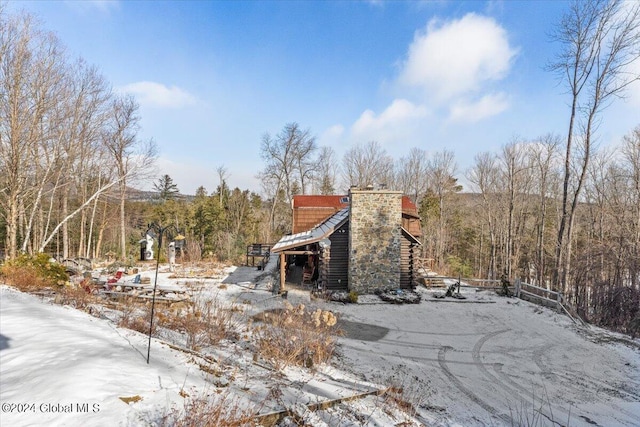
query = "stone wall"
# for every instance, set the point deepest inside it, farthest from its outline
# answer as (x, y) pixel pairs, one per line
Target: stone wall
(375, 236)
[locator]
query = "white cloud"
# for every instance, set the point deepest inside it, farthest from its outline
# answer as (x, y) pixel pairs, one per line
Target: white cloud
(399, 113)
(450, 74)
(454, 58)
(151, 94)
(332, 136)
(395, 124)
(334, 131)
(474, 111)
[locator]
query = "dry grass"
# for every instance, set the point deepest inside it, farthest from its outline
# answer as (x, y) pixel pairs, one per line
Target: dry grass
(75, 296)
(203, 323)
(37, 274)
(191, 324)
(536, 413)
(136, 316)
(295, 336)
(209, 411)
(25, 279)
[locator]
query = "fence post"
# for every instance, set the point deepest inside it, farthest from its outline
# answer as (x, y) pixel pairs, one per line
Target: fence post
(559, 299)
(517, 285)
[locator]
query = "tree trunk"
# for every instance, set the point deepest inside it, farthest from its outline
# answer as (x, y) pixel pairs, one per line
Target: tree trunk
(123, 230)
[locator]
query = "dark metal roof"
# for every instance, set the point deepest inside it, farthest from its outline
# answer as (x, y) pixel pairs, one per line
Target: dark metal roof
(410, 236)
(314, 235)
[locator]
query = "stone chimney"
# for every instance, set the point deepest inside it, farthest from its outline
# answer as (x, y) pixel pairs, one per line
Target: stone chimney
(375, 234)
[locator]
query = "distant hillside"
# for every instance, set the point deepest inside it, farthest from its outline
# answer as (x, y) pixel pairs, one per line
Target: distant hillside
(135, 195)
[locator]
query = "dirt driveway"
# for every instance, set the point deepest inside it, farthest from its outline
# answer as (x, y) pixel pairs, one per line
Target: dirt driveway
(495, 361)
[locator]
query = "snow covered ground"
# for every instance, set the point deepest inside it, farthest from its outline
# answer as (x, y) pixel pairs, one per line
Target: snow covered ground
(482, 361)
(489, 360)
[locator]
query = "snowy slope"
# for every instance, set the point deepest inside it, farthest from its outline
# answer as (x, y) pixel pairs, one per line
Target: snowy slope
(58, 358)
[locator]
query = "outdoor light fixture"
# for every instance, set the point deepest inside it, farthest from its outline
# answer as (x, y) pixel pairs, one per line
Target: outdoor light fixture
(159, 230)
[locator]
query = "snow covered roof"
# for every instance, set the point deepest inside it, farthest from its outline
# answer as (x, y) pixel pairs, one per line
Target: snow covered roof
(314, 235)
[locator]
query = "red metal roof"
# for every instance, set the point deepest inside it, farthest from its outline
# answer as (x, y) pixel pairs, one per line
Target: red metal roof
(333, 201)
(407, 204)
(316, 201)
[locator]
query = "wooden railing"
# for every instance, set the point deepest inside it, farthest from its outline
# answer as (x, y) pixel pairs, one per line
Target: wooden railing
(260, 251)
(545, 297)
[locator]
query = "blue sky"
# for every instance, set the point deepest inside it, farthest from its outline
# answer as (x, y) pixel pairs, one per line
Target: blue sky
(213, 77)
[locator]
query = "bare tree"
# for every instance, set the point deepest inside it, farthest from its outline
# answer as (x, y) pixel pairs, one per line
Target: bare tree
(411, 174)
(289, 164)
(304, 162)
(223, 174)
(31, 69)
(631, 156)
(516, 174)
(130, 156)
(542, 153)
(441, 169)
(289, 156)
(599, 39)
(484, 179)
(368, 164)
(326, 171)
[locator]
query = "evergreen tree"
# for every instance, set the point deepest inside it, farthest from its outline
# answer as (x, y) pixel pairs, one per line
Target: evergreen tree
(166, 188)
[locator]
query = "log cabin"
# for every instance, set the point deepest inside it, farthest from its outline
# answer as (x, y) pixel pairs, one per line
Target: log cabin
(362, 241)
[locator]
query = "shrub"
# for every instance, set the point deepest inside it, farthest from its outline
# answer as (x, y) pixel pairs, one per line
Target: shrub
(294, 336)
(205, 409)
(353, 297)
(208, 411)
(135, 317)
(29, 273)
(191, 325)
(75, 296)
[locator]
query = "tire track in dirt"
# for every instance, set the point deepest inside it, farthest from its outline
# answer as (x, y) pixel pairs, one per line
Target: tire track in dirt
(406, 357)
(454, 379)
(537, 359)
(476, 353)
(483, 366)
(598, 385)
(510, 386)
(497, 367)
(442, 334)
(409, 344)
(514, 389)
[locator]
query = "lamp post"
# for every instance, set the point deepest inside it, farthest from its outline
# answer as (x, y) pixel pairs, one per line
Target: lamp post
(159, 229)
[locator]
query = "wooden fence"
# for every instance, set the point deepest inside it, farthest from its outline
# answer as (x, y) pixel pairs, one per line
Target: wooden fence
(545, 297)
(538, 295)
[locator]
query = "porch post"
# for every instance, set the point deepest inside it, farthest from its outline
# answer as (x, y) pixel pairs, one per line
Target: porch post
(283, 271)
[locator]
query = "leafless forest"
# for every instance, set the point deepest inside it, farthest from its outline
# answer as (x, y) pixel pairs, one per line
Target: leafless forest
(557, 210)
